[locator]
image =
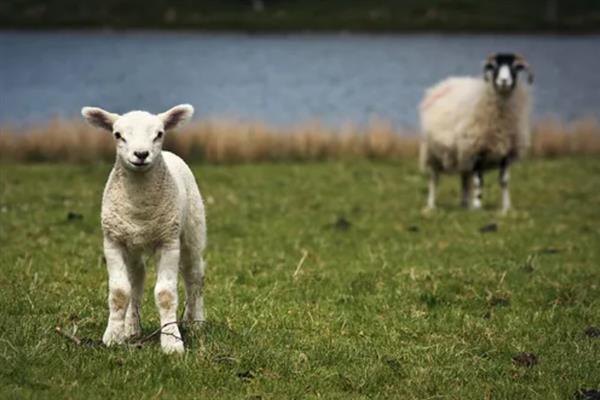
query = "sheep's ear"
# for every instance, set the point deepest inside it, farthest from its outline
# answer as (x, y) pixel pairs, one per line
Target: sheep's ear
(100, 118)
(176, 115)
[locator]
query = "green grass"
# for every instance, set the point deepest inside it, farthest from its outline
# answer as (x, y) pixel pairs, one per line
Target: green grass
(388, 303)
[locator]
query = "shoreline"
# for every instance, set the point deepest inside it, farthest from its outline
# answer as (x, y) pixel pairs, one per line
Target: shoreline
(232, 142)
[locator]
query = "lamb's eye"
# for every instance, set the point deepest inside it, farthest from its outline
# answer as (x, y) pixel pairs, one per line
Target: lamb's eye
(159, 135)
(118, 135)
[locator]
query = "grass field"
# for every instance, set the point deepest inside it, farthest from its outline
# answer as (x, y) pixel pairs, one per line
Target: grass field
(324, 281)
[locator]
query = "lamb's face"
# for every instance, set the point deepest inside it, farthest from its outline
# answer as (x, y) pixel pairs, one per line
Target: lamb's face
(138, 135)
(502, 71)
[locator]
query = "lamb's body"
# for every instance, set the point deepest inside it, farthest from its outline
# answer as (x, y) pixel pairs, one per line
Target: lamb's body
(151, 203)
(468, 127)
(142, 211)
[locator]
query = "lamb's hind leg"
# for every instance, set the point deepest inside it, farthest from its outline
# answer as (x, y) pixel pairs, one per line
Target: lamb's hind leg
(136, 272)
(192, 270)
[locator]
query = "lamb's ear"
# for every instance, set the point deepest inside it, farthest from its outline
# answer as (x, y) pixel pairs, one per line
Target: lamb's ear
(176, 115)
(100, 118)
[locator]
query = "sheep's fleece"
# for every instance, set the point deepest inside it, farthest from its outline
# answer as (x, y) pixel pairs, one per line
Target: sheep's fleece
(463, 117)
(151, 203)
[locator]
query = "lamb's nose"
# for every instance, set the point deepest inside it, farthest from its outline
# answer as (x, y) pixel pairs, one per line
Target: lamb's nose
(142, 155)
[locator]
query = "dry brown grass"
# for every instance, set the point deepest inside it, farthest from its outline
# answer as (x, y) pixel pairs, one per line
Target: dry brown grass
(220, 141)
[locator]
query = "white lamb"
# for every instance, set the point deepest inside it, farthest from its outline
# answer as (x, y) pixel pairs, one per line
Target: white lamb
(151, 203)
(471, 125)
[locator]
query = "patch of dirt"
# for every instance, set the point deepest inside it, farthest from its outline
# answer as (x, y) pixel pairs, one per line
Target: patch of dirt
(587, 394)
(592, 332)
(73, 216)
(499, 301)
(488, 228)
(246, 376)
(342, 224)
(550, 250)
(525, 360)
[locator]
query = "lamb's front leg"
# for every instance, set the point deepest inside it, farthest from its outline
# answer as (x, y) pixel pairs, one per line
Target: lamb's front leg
(119, 292)
(165, 294)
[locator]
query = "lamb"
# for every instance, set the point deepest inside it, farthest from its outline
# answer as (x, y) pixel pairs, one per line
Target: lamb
(151, 202)
(471, 125)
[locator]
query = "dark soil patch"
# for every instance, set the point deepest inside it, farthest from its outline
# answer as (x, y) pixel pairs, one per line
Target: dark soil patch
(246, 376)
(73, 216)
(550, 250)
(488, 228)
(342, 224)
(499, 301)
(525, 360)
(592, 332)
(587, 394)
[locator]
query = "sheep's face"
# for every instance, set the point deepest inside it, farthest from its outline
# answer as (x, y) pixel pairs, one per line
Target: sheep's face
(502, 70)
(138, 134)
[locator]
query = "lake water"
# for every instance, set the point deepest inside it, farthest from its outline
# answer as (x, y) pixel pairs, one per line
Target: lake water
(280, 79)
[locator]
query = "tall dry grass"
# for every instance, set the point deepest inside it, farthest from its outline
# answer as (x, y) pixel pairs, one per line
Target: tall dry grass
(222, 141)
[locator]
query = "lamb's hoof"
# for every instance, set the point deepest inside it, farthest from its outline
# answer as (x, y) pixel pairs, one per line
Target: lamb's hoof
(113, 336)
(427, 210)
(171, 345)
(132, 330)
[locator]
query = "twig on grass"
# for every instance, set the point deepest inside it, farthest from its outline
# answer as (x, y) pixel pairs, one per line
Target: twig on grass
(138, 343)
(299, 266)
(64, 334)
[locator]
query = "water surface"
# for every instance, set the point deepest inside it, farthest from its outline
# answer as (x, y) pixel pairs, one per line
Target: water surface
(275, 78)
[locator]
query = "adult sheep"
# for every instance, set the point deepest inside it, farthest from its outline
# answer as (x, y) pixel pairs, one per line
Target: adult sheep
(470, 125)
(151, 203)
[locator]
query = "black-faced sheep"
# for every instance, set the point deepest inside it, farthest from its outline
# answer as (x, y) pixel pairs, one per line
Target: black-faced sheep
(470, 125)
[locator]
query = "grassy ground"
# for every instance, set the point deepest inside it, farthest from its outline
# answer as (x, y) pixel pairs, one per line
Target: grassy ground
(387, 303)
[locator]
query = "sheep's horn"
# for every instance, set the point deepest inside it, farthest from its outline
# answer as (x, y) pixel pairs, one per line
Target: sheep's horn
(490, 61)
(520, 62)
(488, 64)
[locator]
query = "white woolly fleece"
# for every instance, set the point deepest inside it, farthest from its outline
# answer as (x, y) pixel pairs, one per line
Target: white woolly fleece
(462, 117)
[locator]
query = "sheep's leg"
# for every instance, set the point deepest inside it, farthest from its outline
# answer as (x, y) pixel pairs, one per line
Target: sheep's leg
(137, 274)
(192, 269)
(433, 181)
(466, 181)
(119, 292)
(165, 294)
(478, 189)
(504, 178)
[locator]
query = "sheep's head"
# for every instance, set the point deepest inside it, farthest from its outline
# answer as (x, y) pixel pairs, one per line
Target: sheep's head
(502, 69)
(138, 135)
